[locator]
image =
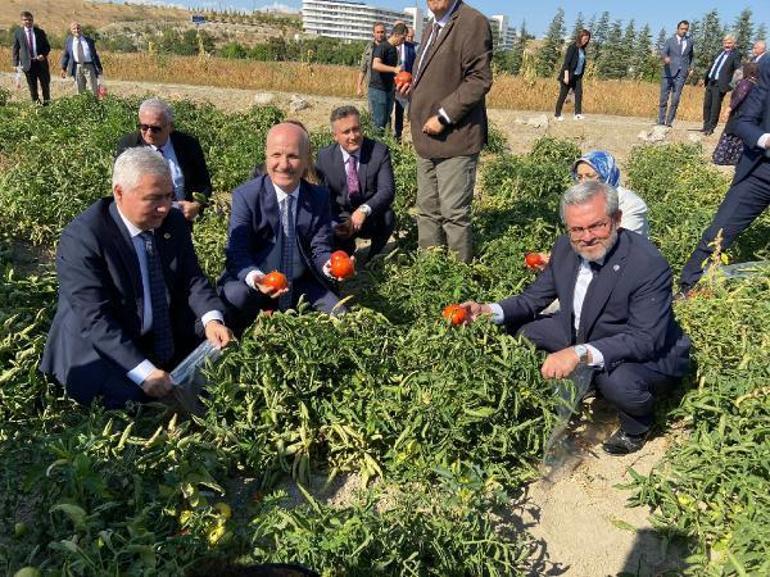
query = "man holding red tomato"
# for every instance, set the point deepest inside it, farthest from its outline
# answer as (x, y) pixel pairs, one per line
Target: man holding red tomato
(279, 222)
(616, 317)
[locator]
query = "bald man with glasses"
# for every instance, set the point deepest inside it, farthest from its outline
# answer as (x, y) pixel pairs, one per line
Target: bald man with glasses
(182, 151)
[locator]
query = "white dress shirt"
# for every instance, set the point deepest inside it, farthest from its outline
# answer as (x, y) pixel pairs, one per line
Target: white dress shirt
(141, 371)
(177, 177)
(87, 58)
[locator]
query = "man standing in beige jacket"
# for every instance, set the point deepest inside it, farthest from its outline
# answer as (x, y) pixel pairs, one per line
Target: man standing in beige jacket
(449, 122)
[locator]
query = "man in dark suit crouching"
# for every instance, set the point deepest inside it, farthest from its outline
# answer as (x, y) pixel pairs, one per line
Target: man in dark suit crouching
(615, 317)
(279, 223)
(133, 300)
(358, 173)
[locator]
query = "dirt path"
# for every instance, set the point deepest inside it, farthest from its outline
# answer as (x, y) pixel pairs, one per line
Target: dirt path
(579, 516)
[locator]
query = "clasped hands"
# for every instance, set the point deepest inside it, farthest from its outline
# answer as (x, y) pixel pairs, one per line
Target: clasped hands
(558, 365)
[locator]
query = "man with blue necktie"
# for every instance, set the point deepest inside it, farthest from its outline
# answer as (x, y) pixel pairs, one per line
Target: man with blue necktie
(718, 82)
(133, 300)
(182, 152)
(279, 222)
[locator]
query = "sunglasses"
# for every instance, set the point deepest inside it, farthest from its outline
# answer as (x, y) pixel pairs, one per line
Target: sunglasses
(151, 127)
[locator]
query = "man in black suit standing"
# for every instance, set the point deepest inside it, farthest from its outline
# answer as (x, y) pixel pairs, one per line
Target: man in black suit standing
(718, 83)
(359, 175)
(615, 319)
(30, 53)
(749, 194)
(182, 152)
(133, 300)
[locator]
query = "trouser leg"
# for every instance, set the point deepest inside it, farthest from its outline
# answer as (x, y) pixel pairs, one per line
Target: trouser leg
(456, 181)
(319, 296)
(631, 388)
(578, 89)
(80, 78)
(666, 87)
(716, 107)
(45, 82)
(678, 86)
(398, 123)
(429, 230)
(92, 79)
(743, 203)
(546, 333)
(707, 98)
(563, 91)
(242, 304)
(378, 229)
(31, 76)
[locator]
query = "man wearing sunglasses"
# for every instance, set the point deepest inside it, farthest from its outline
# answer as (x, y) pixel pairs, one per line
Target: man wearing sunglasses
(615, 319)
(182, 151)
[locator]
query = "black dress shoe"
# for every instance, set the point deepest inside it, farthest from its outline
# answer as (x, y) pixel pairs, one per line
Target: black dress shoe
(708, 132)
(622, 443)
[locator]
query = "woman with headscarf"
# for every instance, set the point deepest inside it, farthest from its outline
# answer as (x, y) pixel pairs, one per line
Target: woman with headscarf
(600, 165)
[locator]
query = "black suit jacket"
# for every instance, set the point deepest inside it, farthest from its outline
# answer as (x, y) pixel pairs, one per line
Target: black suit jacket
(732, 63)
(570, 63)
(20, 50)
(626, 313)
(96, 332)
(190, 156)
(375, 175)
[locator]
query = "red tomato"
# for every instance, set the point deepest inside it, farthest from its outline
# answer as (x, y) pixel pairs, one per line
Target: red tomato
(403, 78)
(341, 265)
(275, 280)
(454, 314)
(533, 260)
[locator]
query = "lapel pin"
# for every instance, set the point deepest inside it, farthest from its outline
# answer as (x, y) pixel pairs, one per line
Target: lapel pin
(167, 235)
(616, 267)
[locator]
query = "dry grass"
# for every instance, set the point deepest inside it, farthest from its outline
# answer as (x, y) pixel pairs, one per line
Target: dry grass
(54, 16)
(622, 98)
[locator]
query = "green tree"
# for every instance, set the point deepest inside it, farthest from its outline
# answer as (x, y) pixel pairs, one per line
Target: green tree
(609, 64)
(579, 25)
(761, 33)
(599, 35)
(549, 54)
(661, 41)
(519, 46)
(743, 30)
(707, 39)
(645, 59)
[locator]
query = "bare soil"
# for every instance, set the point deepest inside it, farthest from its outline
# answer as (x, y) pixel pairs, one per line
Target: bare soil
(577, 513)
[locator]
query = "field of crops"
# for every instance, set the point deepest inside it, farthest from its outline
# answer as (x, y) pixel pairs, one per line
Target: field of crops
(435, 429)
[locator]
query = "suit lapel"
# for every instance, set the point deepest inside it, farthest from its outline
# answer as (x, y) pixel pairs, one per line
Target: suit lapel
(566, 303)
(602, 286)
(125, 248)
(304, 212)
(437, 42)
(363, 163)
(270, 208)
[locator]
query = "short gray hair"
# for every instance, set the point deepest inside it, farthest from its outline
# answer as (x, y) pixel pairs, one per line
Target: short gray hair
(585, 191)
(343, 112)
(134, 163)
(158, 105)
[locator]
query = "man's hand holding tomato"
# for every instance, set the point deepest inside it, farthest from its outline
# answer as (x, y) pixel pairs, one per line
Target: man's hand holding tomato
(474, 310)
(270, 289)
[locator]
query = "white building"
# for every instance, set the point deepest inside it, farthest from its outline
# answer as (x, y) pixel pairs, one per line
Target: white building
(353, 20)
(504, 36)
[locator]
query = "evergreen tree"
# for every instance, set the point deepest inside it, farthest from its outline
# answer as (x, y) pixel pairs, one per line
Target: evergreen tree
(627, 48)
(761, 33)
(599, 34)
(519, 46)
(661, 41)
(708, 44)
(645, 59)
(609, 65)
(743, 30)
(549, 54)
(579, 25)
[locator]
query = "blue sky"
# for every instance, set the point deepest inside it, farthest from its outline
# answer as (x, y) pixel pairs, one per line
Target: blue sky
(657, 13)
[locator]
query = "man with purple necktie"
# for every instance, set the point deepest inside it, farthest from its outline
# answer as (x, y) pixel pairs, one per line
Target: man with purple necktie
(359, 175)
(30, 54)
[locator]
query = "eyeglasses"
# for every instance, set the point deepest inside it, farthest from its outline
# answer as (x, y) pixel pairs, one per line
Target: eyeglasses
(151, 127)
(577, 232)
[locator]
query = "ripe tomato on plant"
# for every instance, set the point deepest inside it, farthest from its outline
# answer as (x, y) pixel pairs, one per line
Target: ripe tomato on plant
(454, 314)
(341, 265)
(275, 281)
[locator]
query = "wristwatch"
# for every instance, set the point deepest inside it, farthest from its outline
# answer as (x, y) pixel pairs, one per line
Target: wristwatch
(582, 353)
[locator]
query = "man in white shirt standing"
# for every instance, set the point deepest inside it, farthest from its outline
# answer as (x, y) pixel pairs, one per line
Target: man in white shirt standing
(80, 60)
(616, 317)
(133, 300)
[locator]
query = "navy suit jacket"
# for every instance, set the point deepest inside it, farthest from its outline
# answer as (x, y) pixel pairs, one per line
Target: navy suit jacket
(753, 122)
(375, 175)
(410, 55)
(731, 64)
(20, 50)
(68, 58)
(255, 225)
(680, 63)
(96, 332)
(626, 313)
(190, 156)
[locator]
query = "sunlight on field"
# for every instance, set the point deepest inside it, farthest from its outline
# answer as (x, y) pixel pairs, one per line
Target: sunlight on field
(620, 97)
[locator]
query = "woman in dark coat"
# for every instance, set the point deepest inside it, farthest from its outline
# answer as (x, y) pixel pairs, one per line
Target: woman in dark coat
(730, 146)
(571, 74)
